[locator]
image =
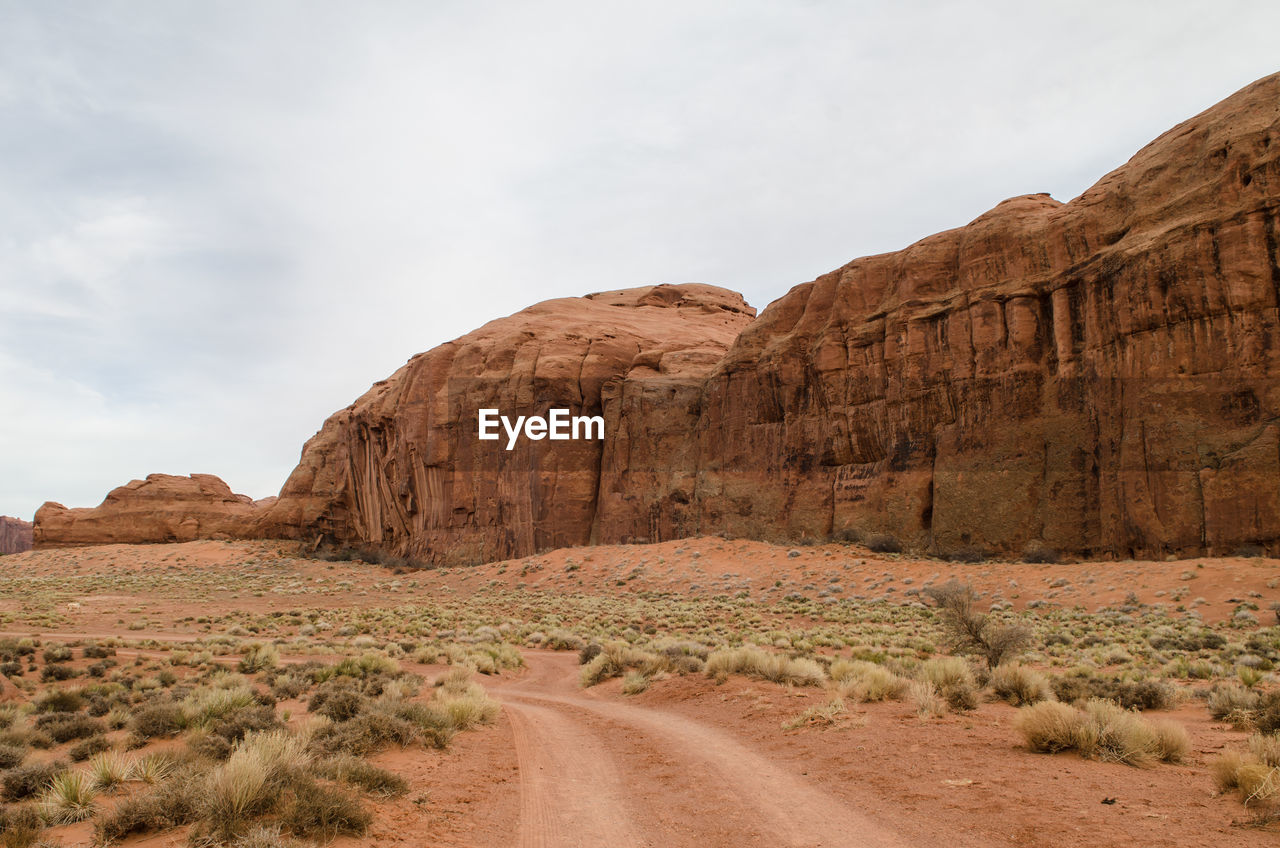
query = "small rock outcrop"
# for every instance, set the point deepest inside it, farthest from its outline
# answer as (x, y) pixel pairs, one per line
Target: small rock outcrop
(161, 508)
(15, 535)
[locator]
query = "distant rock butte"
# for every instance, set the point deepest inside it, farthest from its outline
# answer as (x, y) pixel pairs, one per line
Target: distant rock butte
(1098, 375)
(162, 508)
(15, 535)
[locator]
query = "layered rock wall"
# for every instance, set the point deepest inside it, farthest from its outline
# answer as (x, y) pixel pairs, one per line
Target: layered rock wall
(15, 535)
(1099, 375)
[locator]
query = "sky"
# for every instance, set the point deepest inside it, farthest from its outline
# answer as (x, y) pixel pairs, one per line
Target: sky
(221, 222)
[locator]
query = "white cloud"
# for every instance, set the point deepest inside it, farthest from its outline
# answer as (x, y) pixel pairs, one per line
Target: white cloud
(220, 222)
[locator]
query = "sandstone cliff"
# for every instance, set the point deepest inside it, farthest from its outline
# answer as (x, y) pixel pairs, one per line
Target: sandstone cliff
(403, 468)
(1099, 375)
(162, 508)
(15, 535)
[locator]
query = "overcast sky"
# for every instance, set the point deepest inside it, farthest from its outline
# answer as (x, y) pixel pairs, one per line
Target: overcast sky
(222, 221)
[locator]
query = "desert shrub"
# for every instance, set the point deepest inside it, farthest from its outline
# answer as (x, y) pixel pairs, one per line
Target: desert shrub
(12, 755)
(925, 696)
(249, 783)
(363, 735)
(20, 827)
(206, 707)
(883, 543)
(970, 631)
(953, 681)
(243, 722)
(152, 769)
(289, 686)
(321, 812)
(362, 774)
(69, 798)
(174, 802)
(866, 682)
(615, 660)
(1019, 685)
(589, 652)
(58, 701)
(1048, 727)
(563, 640)
(26, 781)
(97, 652)
(56, 671)
(157, 721)
(1102, 730)
(337, 701)
(64, 727)
(753, 662)
(1265, 747)
(1139, 695)
(1254, 780)
(56, 654)
(366, 665)
(108, 771)
(1266, 716)
(87, 748)
(634, 682)
(259, 657)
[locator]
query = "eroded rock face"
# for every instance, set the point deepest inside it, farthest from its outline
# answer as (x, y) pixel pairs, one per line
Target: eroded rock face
(15, 535)
(162, 508)
(1099, 374)
(402, 468)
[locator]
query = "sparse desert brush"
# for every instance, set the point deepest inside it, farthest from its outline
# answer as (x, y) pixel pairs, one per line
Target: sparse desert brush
(866, 682)
(362, 774)
(821, 715)
(1102, 730)
(1049, 726)
(634, 682)
(208, 705)
(563, 640)
(322, 812)
(614, 660)
(924, 694)
(20, 827)
(753, 662)
(953, 681)
(151, 769)
(1266, 748)
(108, 771)
(1019, 685)
(883, 543)
(1231, 699)
(250, 782)
(30, 780)
(1256, 781)
(12, 755)
(971, 631)
(259, 657)
(1132, 695)
(69, 798)
(158, 721)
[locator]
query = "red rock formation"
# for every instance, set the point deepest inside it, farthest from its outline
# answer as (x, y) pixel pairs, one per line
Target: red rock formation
(1099, 374)
(162, 508)
(15, 535)
(403, 468)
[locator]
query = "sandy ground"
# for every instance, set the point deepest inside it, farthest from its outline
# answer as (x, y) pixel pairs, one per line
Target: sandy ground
(690, 762)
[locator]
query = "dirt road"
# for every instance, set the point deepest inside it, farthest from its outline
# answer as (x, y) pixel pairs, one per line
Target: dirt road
(594, 772)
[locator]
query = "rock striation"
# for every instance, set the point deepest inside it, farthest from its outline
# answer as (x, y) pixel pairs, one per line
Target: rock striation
(162, 508)
(15, 535)
(1099, 376)
(403, 467)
